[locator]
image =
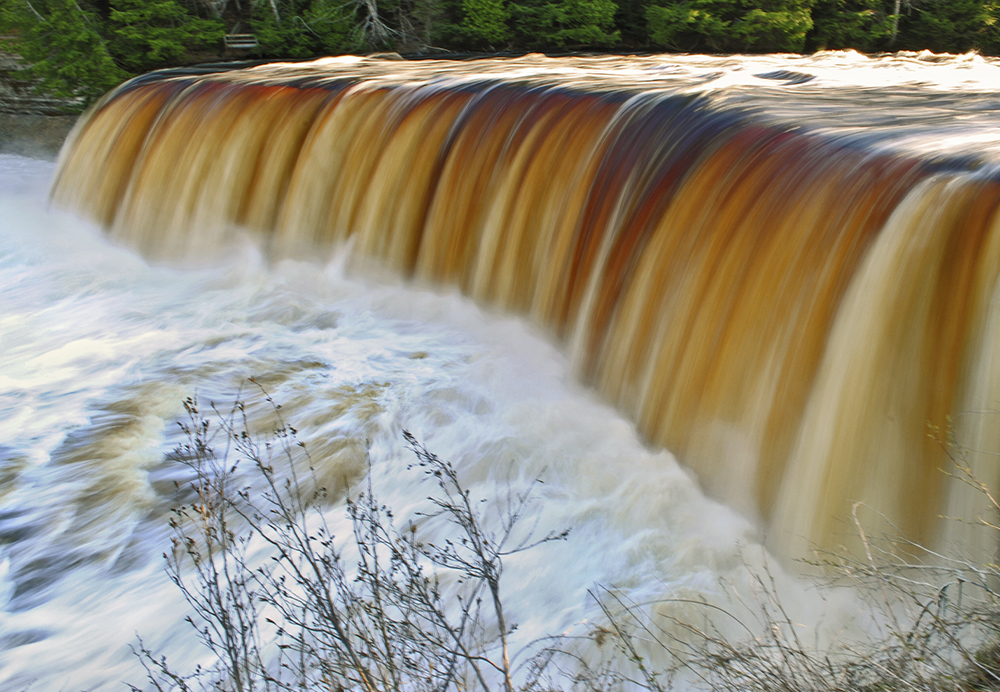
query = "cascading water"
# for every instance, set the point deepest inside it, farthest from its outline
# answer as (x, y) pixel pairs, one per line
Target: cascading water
(779, 269)
(101, 349)
(783, 308)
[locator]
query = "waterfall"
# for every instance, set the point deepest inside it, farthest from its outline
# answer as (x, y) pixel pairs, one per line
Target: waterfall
(785, 307)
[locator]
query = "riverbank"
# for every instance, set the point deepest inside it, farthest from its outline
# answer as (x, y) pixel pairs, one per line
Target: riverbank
(34, 136)
(31, 124)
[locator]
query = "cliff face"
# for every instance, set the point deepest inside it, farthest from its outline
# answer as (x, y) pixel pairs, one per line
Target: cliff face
(31, 124)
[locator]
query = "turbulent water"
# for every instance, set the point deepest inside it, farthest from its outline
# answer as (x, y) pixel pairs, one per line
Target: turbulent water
(100, 348)
(781, 269)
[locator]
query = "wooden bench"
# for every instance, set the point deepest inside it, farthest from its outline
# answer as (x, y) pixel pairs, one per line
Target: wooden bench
(240, 41)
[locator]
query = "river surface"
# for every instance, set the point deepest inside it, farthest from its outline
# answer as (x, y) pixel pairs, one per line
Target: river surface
(100, 348)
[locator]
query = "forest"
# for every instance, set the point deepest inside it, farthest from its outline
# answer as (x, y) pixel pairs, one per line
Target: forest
(81, 48)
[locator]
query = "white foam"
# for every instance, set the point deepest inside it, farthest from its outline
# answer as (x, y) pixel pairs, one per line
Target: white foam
(100, 349)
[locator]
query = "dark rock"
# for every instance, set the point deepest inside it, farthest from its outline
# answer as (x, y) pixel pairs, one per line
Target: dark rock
(31, 123)
(36, 136)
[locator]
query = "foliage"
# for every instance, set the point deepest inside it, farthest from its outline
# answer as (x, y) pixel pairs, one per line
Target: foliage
(331, 22)
(952, 25)
(282, 36)
(859, 24)
(487, 20)
(730, 25)
(148, 34)
(310, 28)
(539, 24)
(61, 42)
(630, 20)
(691, 24)
(778, 26)
(421, 23)
(400, 614)
(82, 48)
(389, 610)
(455, 24)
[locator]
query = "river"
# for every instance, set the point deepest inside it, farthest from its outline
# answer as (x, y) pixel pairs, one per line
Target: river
(101, 347)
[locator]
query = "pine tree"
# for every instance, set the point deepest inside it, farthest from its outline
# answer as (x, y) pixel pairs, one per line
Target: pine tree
(60, 41)
(147, 34)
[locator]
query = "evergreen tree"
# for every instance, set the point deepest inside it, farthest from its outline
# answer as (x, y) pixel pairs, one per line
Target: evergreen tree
(730, 25)
(60, 41)
(486, 20)
(778, 25)
(863, 25)
(147, 34)
(954, 26)
(278, 32)
(82, 48)
(332, 25)
(630, 20)
(690, 25)
(565, 23)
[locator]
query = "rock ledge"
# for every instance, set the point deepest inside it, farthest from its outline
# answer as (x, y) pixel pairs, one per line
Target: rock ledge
(31, 124)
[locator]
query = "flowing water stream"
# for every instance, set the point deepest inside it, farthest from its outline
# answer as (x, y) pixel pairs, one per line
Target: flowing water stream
(100, 349)
(778, 268)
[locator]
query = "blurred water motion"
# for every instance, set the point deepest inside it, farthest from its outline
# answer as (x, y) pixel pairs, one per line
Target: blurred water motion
(100, 349)
(781, 268)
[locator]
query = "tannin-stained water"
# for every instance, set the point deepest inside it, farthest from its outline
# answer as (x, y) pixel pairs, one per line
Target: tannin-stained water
(100, 349)
(784, 306)
(779, 269)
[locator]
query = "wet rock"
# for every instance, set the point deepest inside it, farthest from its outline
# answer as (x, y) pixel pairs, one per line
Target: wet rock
(31, 123)
(35, 136)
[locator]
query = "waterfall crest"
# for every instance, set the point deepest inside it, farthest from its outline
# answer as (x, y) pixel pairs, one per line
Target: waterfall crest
(784, 310)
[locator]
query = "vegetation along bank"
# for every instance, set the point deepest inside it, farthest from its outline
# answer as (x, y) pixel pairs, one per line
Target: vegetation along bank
(81, 48)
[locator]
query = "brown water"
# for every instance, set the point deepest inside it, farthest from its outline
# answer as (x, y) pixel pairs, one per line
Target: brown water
(782, 273)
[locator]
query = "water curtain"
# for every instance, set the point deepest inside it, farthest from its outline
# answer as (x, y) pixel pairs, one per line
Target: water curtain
(784, 311)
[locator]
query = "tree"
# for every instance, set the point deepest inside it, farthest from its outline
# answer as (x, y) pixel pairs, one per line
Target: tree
(565, 23)
(309, 28)
(332, 24)
(61, 42)
(148, 34)
(951, 26)
(730, 25)
(692, 24)
(779, 25)
(860, 24)
(487, 20)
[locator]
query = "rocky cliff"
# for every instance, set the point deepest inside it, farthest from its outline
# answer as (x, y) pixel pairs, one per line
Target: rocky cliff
(31, 124)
